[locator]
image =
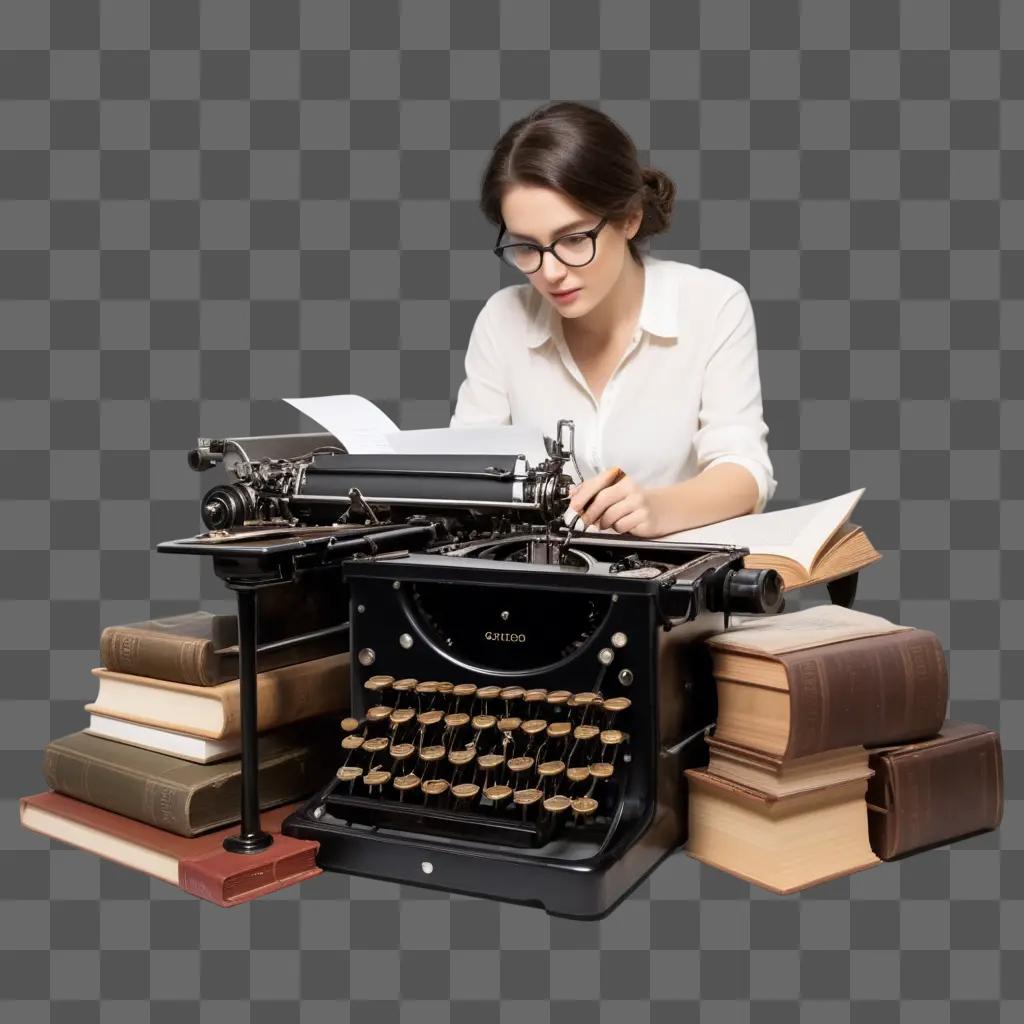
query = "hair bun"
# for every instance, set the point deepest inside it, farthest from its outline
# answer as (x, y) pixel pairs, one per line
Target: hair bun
(659, 197)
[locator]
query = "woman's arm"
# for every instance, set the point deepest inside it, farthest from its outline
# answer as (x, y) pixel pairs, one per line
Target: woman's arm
(721, 491)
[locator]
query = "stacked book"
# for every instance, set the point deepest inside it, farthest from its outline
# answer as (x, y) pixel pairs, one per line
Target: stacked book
(832, 751)
(154, 781)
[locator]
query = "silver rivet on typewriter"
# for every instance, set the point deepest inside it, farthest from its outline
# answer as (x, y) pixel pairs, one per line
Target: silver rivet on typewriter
(504, 616)
(367, 656)
(396, 584)
(606, 655)
(318, 812)
(626, 677)
(405, 640)
(427, 868)
(360, 608)
(618, 639)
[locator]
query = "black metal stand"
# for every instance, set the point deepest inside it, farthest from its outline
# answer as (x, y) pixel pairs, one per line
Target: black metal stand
(842, 591)
(251, 839)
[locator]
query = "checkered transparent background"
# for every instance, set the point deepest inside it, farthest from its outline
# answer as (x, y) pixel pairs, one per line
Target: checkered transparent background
(205, 207)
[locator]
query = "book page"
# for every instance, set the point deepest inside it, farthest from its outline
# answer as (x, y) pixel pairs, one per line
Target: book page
(355, 421)
(798, 533)
(497, 440)
(796, 631)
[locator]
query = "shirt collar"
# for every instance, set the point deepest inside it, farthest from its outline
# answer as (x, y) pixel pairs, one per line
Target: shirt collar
(659, 312)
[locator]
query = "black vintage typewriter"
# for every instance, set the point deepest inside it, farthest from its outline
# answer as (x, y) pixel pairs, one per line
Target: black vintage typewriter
(524, 699)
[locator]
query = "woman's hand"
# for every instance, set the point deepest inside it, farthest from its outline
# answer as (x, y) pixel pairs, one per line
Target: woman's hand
(624, 507)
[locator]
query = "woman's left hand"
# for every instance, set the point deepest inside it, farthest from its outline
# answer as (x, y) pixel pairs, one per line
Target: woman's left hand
(624, 507)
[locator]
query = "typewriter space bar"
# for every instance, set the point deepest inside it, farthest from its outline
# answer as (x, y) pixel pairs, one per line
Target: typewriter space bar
(470, 825)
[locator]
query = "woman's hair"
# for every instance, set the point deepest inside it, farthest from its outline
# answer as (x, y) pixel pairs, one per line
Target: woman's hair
(582, 153)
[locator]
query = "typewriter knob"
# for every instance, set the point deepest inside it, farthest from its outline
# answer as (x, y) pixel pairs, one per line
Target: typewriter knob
(225, 506)
(753, 591)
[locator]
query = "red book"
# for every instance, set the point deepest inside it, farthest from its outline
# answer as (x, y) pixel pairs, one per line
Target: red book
(200, 865)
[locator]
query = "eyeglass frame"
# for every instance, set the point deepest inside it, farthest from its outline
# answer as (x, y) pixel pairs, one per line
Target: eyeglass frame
(542, 249)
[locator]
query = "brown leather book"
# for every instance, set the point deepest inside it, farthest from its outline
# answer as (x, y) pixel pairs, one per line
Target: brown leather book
(785, 843)
(283, 695)
(932, 792)
(199, 648)
(791, 687)
(200, 866)
(181, 796)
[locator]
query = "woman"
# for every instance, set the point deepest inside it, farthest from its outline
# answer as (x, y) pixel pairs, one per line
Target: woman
(655, 361)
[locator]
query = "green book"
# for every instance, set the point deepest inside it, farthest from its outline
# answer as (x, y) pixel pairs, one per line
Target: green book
(187, 798)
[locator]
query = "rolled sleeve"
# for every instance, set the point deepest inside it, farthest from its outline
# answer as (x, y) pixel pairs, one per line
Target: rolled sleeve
(483, 395)
(731, 418)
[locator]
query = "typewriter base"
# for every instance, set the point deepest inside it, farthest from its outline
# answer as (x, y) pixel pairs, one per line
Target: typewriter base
(585, 888)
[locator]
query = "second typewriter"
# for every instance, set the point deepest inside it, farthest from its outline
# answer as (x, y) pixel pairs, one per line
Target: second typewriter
(520, 723)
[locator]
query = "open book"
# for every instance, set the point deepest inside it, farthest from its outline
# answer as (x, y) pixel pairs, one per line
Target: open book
(806, 544)
(364, 428)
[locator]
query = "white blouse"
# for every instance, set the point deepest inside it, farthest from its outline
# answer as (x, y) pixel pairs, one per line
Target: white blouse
(685, 395)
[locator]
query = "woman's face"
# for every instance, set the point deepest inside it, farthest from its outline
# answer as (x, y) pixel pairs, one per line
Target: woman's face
(533, 213)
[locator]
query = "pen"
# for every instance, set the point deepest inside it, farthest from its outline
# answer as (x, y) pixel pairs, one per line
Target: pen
(616, 477)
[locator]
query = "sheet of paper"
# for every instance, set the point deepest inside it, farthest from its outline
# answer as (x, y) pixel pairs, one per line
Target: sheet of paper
(355, 421)
(500, 440)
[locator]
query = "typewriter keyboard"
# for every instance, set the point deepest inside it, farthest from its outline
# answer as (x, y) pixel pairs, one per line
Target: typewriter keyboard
(499, 764)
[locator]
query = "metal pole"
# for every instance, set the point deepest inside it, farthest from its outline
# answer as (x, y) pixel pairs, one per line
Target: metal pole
(251, 839)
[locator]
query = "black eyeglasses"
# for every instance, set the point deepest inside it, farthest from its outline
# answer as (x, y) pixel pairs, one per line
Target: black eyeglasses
(574, 250)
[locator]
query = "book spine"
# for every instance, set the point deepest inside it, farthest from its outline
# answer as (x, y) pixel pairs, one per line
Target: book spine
(871, 691)
(156, 802)
(181, 659)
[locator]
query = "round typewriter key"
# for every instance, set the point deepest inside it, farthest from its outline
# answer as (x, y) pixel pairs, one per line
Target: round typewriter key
(558, 696)
(498, 794)
(400, 751)
(615, 704)
(557, 804)
(532, 696)
(445, 688)
(375, 745)
(489, 761)
(601, 770)
(585, 805)
(581, 700)
(403, 783)
(404, 685)
(526, 797)
(402, 715)
(428, 686)
(578, 774)
(534, 726)
(378, 682)
(456, 719)
(434, 787)
(484, 722)
(348, 773)
(612, 737)
(378, 713)
(349, 724)
(488, 692)
(433, 753)
(585, 732)
(509, 724)
(464, 690)
(520, 764)
(430, 717)
(459, 757)
(512, 693)
(549, 768)
(465, 790)
(376, 778)
(352, 742)
(556, 730)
